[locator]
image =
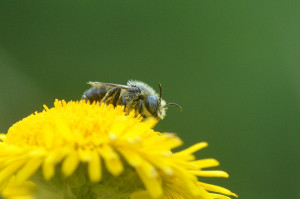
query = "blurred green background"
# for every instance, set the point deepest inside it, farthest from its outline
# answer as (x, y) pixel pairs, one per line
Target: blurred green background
(233, 66)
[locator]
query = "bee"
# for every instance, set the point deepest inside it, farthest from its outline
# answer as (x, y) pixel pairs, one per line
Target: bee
(136, 95)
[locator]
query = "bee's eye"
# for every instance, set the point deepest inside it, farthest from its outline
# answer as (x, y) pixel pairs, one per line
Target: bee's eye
(152, 104)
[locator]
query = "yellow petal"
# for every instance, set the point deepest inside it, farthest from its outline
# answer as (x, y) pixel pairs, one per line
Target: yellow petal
(70, 163)
(217, 189)
(219, 174)
(46, 107)
(192, 149)
(219, 196)
(84, 155)
(188, 180)
(112, 160)
(131, 157)
(182, 190)
(152, 184)
(2, 137)
(15, 190)
(51, 161)
(28, 169)
(165, 141)
(8, 171)
(206, 163)
(94, 167)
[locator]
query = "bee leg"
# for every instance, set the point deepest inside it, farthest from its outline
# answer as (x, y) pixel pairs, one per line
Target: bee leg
(123, 101)
(140, 106)
(112, 96)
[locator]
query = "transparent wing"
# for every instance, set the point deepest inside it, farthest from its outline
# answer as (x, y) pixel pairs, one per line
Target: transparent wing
(99, 84)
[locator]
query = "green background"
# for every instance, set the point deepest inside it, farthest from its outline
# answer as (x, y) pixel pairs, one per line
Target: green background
(233, 66)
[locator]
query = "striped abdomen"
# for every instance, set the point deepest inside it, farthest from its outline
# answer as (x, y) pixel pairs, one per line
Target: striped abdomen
(95, 93)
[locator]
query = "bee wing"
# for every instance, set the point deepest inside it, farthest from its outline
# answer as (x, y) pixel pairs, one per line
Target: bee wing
(99, 84)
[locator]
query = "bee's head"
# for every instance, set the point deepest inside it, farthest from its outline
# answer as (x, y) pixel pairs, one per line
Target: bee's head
(152, 104)
(156, 106)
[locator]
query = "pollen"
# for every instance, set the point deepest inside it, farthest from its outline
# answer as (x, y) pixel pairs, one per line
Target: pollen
(84, 150)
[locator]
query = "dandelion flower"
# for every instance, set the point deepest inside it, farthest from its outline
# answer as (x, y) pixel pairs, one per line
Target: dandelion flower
(83, 150)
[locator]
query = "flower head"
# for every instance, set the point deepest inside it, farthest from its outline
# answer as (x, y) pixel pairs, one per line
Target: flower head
(84, 150)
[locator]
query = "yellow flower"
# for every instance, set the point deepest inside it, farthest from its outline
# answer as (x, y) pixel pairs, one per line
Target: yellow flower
(83, 150)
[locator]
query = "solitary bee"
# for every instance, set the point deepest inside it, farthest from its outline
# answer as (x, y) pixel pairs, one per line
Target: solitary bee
(135, 95)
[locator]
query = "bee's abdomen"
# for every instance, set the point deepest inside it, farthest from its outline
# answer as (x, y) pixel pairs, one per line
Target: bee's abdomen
(94, 94)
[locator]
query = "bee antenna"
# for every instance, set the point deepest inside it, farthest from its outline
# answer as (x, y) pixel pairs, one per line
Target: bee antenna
(173, 104)
(160, 91)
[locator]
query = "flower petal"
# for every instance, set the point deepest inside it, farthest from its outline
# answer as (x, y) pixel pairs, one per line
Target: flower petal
(219, 196)
(206, 163)
(192, 149)
(217, 189)
(51, 161)
(94, 167)
(152, 182)
(28, 169)
(70, 163)
(8, 171)
(131, 157)
(111, 159)
(221, 174)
